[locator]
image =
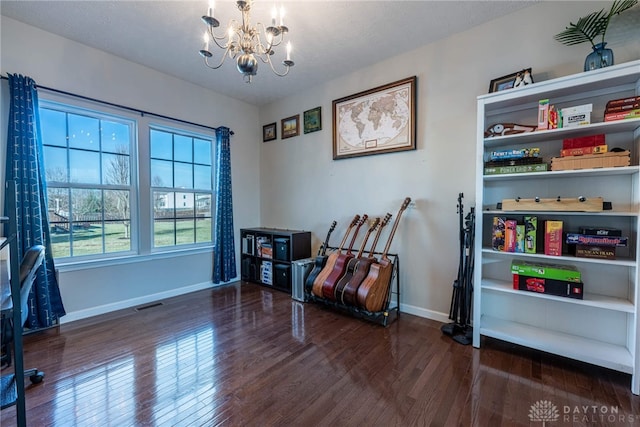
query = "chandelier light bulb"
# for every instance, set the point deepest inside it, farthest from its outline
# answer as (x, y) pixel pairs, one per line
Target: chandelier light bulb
(274, 15)
(281, 15)
(211, 7)
(205, 38)
(288, 51)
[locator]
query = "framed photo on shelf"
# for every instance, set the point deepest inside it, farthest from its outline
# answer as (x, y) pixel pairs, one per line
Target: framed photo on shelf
(376, 121)
(510, 81)
(290, 126)
(269, 132)
(312, 120)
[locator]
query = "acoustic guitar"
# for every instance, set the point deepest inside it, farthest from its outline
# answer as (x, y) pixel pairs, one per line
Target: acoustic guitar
(320, 261)
(361, 268)
(348, 274)
(340, 265)
(316, 289)
(374, 290)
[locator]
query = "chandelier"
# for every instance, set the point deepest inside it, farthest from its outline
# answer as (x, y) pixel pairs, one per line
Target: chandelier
(244, 42)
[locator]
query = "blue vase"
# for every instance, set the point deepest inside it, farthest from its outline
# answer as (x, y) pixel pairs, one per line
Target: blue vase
(600, 57)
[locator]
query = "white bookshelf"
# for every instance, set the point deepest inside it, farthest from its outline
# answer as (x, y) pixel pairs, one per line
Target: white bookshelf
(604, 327)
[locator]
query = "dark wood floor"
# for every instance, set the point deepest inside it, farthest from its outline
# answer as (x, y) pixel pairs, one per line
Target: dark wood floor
(246, 355)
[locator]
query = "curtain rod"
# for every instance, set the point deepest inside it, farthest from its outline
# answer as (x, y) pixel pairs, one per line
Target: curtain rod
(124, 107)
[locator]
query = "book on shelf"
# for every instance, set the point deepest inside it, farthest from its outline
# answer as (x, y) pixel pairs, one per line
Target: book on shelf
(598, 149)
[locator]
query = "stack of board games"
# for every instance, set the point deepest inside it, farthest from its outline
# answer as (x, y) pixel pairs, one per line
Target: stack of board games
(623, 108)
(551, 279)
(519, 160)
(596, 242)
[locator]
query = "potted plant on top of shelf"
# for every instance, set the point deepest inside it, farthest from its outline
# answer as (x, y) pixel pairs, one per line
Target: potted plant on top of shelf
(589, 28)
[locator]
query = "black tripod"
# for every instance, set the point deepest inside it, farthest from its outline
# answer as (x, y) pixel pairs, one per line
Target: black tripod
(460, 311)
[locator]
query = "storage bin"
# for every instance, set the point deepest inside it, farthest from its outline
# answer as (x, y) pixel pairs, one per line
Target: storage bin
(281, 275)
(281, 248)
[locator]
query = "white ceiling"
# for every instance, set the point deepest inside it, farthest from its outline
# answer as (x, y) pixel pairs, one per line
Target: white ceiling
(329, 38)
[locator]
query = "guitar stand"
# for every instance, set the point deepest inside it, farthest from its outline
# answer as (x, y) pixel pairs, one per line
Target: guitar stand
(387, 315)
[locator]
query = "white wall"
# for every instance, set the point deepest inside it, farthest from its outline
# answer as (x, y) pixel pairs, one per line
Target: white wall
(302, 187)
(296, 182)
(62, 64)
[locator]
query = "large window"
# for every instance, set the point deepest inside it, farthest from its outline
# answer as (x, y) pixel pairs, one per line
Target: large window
(88, 172)
(181, 181)
(93, 168)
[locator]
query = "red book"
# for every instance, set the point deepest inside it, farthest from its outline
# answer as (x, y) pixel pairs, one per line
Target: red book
(583, 150)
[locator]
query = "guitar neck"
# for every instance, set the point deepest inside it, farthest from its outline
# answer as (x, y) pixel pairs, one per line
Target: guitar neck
(355, 233)
(346, 235)
(323, 248)
(366, 236)
(385, 221)
(395, 227)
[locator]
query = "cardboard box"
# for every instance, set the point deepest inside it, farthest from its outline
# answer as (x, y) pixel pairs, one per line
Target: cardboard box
(499, 170)
(497, 233)
(591, 161)
(579, 115)
(520, 231)
(601, 231)
(553, 238)
(598, 252)
(521, 153)
(587, 239)
(530, 234)
(543, 114)
(622, 115)
(622, 101)
(584, 141)
(566, 273)
(510, 236)
(548, 286)
(597, 149)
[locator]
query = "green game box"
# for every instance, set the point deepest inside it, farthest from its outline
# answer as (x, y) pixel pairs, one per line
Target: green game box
(567, 273)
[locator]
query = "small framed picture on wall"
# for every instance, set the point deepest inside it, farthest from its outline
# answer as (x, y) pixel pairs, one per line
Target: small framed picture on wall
(269, 132)
(291, 126)
(312, 120)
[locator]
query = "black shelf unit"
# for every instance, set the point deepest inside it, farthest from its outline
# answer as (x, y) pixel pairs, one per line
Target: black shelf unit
(267, 253)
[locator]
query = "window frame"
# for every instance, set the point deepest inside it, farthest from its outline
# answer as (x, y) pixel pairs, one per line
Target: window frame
(174, 129)
(117, 117)
(142, 245)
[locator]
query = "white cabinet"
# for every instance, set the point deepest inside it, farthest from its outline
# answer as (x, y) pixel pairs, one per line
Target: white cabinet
(604, 327)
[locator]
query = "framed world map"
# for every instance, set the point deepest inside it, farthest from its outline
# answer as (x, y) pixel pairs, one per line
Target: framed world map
(376, 121)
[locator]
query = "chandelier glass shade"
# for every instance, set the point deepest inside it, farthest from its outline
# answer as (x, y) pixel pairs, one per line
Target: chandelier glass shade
(245, 43)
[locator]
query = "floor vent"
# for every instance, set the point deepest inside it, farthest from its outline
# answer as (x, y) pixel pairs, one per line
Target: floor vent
(145, 307)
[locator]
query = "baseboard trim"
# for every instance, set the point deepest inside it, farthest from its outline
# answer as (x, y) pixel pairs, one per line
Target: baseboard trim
(134, 302)
(146, 299)
(423, 312)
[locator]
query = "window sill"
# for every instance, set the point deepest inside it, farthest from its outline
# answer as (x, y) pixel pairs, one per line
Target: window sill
(129, 259)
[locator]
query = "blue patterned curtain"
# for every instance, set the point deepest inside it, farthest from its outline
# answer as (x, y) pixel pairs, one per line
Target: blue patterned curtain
(224, 256)
(25, 167)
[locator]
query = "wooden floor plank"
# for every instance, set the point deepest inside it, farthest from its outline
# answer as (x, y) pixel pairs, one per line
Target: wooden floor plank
(246, 355)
